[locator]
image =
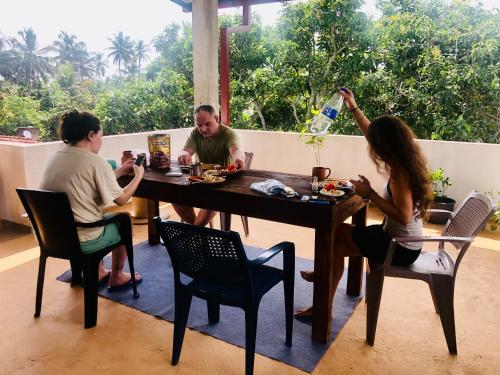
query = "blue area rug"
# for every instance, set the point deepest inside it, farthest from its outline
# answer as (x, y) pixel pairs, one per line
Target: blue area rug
(157, 299)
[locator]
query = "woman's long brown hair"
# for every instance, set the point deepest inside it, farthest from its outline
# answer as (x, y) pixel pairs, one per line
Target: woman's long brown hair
(393, 148)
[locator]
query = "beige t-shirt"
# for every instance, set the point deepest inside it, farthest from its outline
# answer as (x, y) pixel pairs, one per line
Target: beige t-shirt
(89, 182)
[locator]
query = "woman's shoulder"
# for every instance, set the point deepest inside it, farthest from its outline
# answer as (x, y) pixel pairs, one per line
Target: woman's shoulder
(399, 180)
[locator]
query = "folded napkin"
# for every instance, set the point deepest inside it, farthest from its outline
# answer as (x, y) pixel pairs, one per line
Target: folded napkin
(274, 187)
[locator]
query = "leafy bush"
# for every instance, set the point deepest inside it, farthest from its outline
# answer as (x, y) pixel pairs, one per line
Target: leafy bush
(19, 111)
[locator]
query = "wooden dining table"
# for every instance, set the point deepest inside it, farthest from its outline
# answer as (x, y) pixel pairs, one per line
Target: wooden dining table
(234, 196)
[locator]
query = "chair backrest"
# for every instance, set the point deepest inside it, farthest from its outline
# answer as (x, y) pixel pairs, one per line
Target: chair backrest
(469, 219)
(52, 220)
(248, 159)
(205, 254)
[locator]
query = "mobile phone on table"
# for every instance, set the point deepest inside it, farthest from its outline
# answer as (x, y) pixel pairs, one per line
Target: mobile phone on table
(140, 159)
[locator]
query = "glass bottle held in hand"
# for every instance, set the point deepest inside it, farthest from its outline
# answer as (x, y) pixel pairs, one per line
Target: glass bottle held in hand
(321, 123)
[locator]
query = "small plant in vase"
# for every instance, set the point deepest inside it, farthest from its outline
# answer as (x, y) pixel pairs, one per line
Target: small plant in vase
(440, 183)
(316, 141)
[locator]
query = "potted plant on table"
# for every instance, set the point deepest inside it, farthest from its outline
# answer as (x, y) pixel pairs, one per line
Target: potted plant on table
(441, 204)
(316, 141)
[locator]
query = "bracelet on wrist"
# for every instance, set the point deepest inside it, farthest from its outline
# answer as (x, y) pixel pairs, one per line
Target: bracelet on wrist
(352, 110)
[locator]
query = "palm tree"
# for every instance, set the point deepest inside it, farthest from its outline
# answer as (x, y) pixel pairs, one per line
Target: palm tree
(72, 51)
(100, 65)
(141, 50)
(7, 59)
(121, 50)
(30, 64)
(132, 69)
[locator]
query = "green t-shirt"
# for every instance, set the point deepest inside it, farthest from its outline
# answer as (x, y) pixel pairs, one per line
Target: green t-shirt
(213, 150)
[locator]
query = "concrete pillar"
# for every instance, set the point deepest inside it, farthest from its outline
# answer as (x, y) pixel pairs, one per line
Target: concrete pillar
(205, 53)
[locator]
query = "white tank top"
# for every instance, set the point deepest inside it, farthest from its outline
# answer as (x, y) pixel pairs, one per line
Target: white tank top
(396, 229)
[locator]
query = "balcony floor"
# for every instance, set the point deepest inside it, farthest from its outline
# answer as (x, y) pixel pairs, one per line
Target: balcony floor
(126, 341)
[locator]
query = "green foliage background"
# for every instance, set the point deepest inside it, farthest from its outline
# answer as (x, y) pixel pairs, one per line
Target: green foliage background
(435, 64)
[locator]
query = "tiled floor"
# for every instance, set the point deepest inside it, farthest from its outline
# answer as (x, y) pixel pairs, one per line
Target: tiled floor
(125, 341)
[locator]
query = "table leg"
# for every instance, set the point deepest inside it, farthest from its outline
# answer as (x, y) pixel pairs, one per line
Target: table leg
(355, 269)
(323, 284)
(225, 221)
(153, 210)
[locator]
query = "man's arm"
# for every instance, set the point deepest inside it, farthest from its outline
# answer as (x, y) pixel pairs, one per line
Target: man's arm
(185, 156)
(238, 157)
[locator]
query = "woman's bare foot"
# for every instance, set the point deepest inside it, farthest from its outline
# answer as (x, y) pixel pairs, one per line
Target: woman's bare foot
(307, 275)
(301, 313)
(121, 278)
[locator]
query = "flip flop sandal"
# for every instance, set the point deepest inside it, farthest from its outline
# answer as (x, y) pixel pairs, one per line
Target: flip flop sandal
(128, 284)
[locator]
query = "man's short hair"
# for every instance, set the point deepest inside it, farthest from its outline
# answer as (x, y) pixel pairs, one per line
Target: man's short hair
(205, 108)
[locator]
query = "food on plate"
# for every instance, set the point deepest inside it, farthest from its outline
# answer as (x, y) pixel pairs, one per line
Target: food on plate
(329, 186)
(332, 193)
(212, 172)
(209, 179)
(206, 179)
(219, 171)
(196, 178)
(337, 182)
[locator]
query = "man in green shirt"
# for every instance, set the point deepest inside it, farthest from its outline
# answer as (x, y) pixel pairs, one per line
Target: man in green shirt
(214, 143)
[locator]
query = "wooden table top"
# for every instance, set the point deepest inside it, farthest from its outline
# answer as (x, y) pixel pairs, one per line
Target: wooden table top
(235, 196)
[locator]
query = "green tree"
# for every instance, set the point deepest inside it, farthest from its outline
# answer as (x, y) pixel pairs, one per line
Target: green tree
(175, 47)
(437, 67)
(28, 64)
(141, 53)
(144, 105)
(100, 65)
(121, 50)
(18, 111)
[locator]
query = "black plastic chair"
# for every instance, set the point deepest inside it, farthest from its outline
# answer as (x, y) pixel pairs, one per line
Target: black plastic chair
(219, 272)
(55, 228)
(438, 269)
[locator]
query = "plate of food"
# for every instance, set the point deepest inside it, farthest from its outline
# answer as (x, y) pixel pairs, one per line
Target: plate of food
(206, 179)
(337, 182)
(225, 171)
(330, 190)
(207, 166)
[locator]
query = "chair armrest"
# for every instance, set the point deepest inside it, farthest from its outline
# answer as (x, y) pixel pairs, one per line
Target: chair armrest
(108, 219)
(392, 246)
(268, 254)
(432, 239)
(438, 210)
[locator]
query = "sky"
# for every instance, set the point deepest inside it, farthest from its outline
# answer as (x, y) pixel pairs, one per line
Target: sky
(94, 21)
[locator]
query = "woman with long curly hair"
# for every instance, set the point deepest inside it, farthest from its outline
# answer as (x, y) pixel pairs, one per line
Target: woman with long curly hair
(404, 202)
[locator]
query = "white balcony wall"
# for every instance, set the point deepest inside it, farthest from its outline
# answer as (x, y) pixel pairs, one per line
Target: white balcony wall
(470, 166)
(22, 165)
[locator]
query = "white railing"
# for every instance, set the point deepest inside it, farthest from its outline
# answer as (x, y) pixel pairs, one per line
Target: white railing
(470, 166)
